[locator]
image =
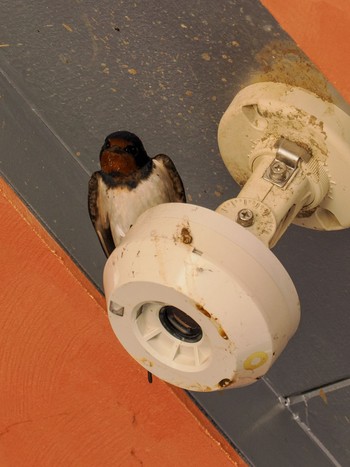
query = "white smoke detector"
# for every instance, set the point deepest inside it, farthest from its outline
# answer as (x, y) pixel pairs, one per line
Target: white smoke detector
(196, 296)
(197, 300)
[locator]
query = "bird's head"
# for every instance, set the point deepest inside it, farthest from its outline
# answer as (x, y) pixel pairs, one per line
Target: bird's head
(122, 153)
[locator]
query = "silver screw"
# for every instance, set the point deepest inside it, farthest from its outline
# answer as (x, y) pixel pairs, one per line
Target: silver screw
(245, 217)
(278, 171)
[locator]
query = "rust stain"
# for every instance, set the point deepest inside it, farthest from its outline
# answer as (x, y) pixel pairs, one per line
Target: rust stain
(226, 382)
(283, 62)
(183, 233)
(222, 333)
(323, 396)
(186, 236)
(213, 319)
(203, 310)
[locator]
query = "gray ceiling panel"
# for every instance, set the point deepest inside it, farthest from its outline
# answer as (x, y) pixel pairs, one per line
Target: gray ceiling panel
(50, 181)
(326, 412)
(263, 429)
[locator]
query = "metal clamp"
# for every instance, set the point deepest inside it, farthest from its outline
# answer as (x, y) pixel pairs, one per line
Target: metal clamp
(285, 163)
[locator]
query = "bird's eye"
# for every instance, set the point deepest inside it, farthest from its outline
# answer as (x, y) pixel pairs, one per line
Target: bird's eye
(107, 144)
(131, 149)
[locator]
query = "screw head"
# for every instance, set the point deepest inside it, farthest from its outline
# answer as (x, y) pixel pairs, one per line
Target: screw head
(245, 217)
(278, 171)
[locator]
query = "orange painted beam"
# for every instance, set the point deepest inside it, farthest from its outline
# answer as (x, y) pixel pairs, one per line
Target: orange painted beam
(69, 394)
(321, 28)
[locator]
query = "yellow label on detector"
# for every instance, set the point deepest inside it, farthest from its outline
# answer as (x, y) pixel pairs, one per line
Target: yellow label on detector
(255, 360)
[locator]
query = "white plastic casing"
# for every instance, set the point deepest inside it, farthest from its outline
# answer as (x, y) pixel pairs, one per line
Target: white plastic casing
(221, 276)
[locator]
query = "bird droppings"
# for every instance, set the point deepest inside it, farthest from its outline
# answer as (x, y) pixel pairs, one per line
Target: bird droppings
(205, 56)
(67, 27)
(105, 70)
(146, 363)
(64, 58)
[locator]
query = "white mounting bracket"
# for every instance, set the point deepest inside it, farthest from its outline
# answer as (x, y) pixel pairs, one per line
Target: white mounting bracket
(290, 151)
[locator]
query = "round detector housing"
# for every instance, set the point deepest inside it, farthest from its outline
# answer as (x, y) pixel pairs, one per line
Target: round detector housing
(197, 300)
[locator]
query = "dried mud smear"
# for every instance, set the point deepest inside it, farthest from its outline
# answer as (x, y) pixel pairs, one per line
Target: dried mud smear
(284, 62)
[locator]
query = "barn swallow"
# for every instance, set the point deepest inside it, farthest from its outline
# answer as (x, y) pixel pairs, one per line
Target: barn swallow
(129, 183)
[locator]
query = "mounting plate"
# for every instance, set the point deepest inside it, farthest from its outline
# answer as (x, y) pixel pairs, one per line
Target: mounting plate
(262, 113)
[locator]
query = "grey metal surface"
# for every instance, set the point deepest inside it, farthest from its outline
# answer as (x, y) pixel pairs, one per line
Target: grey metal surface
(42, 170)
(327, 415)
(75, 71)
(267, 433)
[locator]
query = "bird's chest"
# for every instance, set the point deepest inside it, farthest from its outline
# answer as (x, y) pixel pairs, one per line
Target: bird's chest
(124, 206)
